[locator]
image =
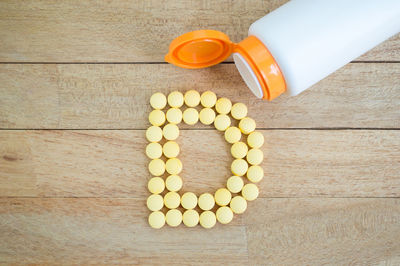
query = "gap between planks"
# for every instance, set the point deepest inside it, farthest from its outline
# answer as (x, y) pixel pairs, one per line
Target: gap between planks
(160, 63)
(209, 128)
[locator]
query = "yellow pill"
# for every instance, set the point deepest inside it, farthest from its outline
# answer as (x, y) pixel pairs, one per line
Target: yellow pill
(173, 166)
(156, 185)
(173, 217)
(171, 149)
(157, 117)
(222, 197)
(234, 184)
(174, 115)
(208, 219)
(223, 106)
(189, 200)
(172, 200)
(239, 167)
(255, 139)
(255, 156)
(238, 205)
(171, 132)
(157, 219)
(207, 116)
(222, 122)
(233, 134)
(175, 99)
(192, 98)
(255, 173)
(158, 100)
(250, 192)
(157, 167)
(190, 116)
(206, 201)
(208, 99)
(239, 111)
(247, 125)
(224, 215)
(153, 150)
(239, 150)
(155, 202)
(190, 218)
(154, 134)
(174, 183)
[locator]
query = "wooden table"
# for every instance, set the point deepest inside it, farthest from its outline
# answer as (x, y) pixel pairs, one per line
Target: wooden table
(75, 80)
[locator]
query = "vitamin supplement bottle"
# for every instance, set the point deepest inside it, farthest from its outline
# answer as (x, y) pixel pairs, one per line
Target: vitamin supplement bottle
(295, 46)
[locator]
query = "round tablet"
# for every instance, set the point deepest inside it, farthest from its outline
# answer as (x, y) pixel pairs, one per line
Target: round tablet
(157, 167)
(189, 200)
(172, 200)
(255, 173)
(238, 205)
(175, 99)
(239, 111)
(206, 201)
(157, 117)
(156, 219)
(171, 149)
(173, 217)
(239, 167)
(192, 98)
(156, 185)
(153, 150)
(222, 122)
(239, 150)
(232, 134)
(173, 183)
(222, 197)
(255, 139)
(191, 218)
(250, 192)
(234, 184)
(190, 116)
(223, 106)
(224, 215)
(174, 166)
(208, 219)
(154, 134)
(247, 125)
(208, 99)
(255, 156)
(207, 116)
(171, 132)
(174, 115)
(155, 202)
(158, 100)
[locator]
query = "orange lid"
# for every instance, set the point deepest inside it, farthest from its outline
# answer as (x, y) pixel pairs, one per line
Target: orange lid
(204, 48)
(199, 49)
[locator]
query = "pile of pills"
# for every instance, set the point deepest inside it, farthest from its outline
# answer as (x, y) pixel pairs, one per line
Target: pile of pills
(205, 209)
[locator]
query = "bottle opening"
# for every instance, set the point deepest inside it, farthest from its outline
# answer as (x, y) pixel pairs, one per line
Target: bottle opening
(248, 75)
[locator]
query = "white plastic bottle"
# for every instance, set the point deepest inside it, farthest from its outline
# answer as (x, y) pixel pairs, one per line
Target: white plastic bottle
(295, 46)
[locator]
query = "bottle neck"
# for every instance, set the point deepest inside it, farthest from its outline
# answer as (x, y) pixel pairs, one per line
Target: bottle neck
(259, 69)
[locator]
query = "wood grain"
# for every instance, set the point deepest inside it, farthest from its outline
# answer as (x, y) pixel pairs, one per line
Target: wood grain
(120, 31)
(272, 231)
(116, 96)
(299, 163)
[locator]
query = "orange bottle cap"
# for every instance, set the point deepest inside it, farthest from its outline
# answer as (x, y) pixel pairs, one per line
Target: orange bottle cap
(199, 49)
(204, 48)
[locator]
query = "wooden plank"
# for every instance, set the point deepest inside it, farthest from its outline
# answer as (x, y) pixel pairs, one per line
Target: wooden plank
(120, 31)
(298, 163)
(324, 232)
(272, 231)
(106, 231)
(116, 96)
